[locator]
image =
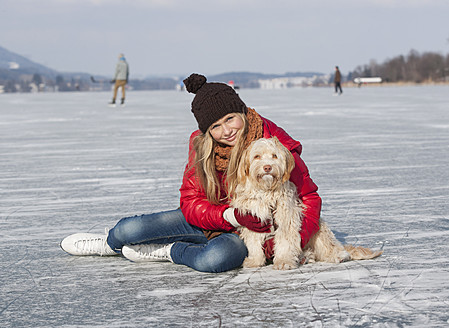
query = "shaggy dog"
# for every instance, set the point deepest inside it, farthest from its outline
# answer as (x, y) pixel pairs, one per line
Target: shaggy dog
(264, 190)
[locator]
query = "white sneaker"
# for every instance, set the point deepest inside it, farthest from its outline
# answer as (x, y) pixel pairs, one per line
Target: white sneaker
(148, 252)
(87, 244)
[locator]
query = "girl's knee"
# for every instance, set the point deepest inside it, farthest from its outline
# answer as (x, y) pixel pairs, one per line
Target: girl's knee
(126, 227)
(131, 226)
(227, 254)
(127, 230)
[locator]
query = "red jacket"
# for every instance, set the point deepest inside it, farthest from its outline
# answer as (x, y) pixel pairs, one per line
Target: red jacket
(199, 212)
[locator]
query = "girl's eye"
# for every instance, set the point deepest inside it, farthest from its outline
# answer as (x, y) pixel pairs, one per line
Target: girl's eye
(230, 118)
(274, 156)
(257, 157)
(214, 127)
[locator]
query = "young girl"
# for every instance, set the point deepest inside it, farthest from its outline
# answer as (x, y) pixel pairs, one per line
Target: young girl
(200, 234)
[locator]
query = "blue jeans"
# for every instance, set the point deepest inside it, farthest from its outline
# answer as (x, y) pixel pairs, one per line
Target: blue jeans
(191, 247)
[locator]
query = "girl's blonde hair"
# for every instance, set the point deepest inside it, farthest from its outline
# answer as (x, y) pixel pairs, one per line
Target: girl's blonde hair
(204, 146)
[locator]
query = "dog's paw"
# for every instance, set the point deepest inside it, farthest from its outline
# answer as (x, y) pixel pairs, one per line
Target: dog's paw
(251, 262)
(303, 260)
(343, 256)
(308, 257)
(284, 265)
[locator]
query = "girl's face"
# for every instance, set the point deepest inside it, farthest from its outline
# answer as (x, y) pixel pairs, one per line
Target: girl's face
(225, 129)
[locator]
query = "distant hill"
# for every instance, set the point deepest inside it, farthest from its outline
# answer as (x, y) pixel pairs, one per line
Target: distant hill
(17, 72)
(13, 62)
(13, 65)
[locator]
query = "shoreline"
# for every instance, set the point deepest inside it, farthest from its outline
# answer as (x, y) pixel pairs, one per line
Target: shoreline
(393, 84)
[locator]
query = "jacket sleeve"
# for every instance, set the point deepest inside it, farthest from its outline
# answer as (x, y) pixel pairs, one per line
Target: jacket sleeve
(307, 191)
(194, 204)
(127, 72)
(117, 70)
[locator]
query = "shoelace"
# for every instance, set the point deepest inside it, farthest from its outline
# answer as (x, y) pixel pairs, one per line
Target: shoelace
(159, 253)
(92, 245)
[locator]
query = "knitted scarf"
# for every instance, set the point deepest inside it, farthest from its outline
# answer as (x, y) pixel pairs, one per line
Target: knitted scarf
(255, 131)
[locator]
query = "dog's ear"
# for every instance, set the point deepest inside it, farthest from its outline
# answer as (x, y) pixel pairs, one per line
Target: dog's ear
(289, 159)
(290, 165)
(243, 169)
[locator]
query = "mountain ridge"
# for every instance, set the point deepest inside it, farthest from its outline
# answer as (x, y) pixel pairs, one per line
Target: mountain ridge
(17, 73)
(9, 60)
(27, 66)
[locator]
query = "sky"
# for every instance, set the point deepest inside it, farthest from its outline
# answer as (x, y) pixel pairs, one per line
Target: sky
(178, 37)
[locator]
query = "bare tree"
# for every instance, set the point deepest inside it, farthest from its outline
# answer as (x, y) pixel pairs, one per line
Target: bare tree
(414, 67)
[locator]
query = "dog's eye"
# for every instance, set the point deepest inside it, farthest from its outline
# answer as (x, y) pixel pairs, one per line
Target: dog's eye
(275, 156)
(256, 156)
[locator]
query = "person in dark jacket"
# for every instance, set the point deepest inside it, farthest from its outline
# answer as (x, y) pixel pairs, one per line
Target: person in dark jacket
(120, 79)
(337, 80)
(201, 233)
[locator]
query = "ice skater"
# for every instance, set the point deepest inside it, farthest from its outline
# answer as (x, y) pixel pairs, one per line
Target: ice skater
(120, 79)
(201, 233)
(337, 81)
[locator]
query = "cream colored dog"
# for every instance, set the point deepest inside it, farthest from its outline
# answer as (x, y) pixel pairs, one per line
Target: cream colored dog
(264, 190)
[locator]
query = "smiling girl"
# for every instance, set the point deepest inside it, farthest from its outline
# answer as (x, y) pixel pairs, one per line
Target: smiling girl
(201, 233)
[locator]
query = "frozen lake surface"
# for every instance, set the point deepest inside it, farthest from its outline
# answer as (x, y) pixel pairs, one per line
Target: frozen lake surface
(69, 163)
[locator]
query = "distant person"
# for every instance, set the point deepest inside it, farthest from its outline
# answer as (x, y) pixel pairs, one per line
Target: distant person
(120, 79)
(337, 80)
(201, 232)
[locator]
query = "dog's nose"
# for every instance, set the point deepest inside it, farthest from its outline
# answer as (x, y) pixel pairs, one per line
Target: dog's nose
(267, 168)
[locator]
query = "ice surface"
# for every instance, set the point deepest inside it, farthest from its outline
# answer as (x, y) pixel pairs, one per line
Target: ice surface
(69, 163)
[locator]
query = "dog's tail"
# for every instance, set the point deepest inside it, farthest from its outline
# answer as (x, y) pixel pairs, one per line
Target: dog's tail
(361, 253)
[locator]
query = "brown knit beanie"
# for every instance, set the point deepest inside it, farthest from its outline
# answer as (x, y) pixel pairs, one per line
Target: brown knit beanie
(212, 100)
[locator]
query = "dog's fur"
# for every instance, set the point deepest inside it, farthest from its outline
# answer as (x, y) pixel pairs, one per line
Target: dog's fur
(264, 190)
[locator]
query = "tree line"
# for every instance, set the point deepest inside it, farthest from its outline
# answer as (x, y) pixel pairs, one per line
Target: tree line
(43, 83)
(414, 67)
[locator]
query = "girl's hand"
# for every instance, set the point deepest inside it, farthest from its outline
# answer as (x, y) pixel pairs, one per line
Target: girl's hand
(249, 221)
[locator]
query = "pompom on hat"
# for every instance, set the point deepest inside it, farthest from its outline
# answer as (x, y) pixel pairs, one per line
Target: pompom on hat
(212, 101)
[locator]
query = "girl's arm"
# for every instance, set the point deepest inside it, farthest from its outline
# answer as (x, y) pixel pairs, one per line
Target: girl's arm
(196, 208)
